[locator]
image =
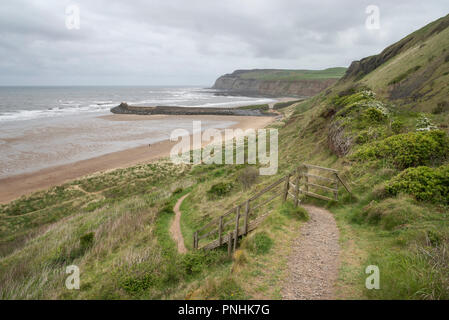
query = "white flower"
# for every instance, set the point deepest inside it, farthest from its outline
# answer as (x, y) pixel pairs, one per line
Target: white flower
(424, 124)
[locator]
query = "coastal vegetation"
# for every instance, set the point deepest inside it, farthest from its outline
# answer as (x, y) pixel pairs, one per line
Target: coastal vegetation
(377, 126)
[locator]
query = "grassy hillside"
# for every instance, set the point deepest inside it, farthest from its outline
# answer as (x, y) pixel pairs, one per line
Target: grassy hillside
(413, 73)
(393, 150)
(385, 126)
(291, 75)
(117, 225)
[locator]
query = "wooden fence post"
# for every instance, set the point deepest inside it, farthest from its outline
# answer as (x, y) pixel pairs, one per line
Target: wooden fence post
(229, 243)
(220, 230)
(246, 216)
(236, 231)
(195, 240)
(298, 173)
(306, 179)
(287, 185)
(236, 237)
(336, 187)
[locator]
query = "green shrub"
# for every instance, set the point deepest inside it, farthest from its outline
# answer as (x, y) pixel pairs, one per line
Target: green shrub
(348, 100)
(220, 189)
(135, 285)
(361, 110)
(86, 241)
(374, 114)
(408, 149)
(424, 124)
(363, 137)
(397, 126)
(167, 208)
(143, 278)
(261, 243)
(370, 134)
(197, 261)
(424, 183)
(340, 102)
(390, 213)
(178, 190)
(228, 289)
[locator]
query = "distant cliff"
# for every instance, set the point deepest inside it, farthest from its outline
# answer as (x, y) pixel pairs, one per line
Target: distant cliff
(274, 82)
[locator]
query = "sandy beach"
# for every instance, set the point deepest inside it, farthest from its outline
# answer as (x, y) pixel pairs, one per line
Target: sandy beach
(14, 186)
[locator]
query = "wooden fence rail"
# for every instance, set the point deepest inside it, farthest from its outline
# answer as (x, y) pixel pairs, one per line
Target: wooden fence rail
(219, 232)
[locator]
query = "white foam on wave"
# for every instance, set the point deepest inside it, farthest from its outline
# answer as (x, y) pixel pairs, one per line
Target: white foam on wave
(52, 112)
(188, 97)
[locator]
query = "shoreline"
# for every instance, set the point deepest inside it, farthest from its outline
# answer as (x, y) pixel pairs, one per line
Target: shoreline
(15, 186)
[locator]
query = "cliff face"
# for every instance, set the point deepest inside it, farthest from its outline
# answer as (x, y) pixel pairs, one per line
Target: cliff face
(298, 88)
(239, 82)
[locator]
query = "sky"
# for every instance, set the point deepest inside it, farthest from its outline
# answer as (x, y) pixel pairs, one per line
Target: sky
(180, 42)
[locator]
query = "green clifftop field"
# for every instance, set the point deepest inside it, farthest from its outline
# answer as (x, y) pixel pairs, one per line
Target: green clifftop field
(384, 125)
(290, 75)
(277, 82)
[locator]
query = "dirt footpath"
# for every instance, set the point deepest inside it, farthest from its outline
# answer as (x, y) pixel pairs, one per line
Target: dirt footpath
(175, 228)
(314, 261)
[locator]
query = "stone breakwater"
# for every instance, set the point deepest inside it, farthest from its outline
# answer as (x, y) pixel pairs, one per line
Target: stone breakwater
(124, 108)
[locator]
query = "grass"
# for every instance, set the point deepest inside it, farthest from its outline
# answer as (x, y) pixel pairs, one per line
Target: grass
(259, 266)
(32, 214)
(404, 75)
(131, 240)
(393, 232)
(261, 243)
(114, 225)
(120, 226)
(293, 75)
(418, 90)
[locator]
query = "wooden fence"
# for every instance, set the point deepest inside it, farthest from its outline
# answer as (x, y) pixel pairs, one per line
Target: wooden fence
(227, 228)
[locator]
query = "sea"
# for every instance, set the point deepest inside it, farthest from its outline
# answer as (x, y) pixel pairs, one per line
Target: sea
(42, 127)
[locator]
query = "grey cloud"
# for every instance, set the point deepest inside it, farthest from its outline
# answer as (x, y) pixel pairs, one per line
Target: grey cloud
(192, 42)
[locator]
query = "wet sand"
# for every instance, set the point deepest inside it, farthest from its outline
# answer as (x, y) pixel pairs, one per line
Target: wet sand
(13, 187)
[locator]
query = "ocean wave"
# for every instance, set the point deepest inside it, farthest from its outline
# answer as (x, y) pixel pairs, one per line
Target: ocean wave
(66, 103)
(51, 112)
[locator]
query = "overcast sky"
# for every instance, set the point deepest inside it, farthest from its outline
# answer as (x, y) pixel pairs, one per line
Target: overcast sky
(180, 42)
